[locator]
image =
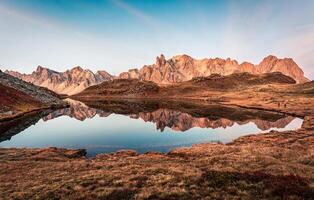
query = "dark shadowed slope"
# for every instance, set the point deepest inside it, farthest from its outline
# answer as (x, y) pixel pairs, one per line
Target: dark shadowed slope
(18, 97)
(12, 101)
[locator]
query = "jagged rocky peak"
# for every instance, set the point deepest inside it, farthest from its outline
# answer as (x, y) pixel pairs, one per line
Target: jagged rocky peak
(270, 58)
(104, 74)
(286, 66)
(77, 69)
(182, 57)
(267, 63)
(160, 61)
(183, 60)
(231, 61)
(43, 72)
(39, 68)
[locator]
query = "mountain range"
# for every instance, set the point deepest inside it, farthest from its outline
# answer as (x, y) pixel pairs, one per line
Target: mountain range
(165, 71)
(69, 82)
(183, 68)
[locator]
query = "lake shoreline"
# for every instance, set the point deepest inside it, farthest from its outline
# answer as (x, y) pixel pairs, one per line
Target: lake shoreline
(186, 99)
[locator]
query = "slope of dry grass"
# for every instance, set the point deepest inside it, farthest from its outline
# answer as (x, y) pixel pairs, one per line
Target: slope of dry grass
(13, 101)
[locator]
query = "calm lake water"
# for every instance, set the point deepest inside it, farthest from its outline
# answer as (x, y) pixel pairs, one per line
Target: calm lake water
(159, 129)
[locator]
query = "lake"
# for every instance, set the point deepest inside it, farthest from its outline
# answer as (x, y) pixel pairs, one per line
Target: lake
(110, 126)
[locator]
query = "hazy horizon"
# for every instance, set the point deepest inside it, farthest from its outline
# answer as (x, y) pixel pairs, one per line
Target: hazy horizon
(116, 35)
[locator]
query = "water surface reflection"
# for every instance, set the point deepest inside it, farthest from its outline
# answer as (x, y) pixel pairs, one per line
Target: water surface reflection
(144, 126)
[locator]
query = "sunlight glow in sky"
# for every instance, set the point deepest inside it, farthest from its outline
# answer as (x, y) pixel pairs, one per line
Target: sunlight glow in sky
(115, 35)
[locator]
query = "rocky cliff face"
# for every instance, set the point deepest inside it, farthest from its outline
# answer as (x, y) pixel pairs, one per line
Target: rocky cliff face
(183, 67)
(286, 66)
(69, 82)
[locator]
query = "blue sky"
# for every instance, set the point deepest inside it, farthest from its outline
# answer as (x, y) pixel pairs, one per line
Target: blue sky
(116, 35)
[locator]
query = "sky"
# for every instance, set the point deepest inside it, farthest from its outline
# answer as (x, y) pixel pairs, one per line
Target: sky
(116, 35)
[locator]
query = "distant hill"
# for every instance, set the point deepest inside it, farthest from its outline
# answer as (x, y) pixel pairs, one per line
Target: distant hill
(118, 87)
(137, 88)
(237, 80)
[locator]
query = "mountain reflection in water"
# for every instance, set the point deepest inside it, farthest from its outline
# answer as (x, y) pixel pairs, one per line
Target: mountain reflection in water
(108, 126)
(164, 117)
